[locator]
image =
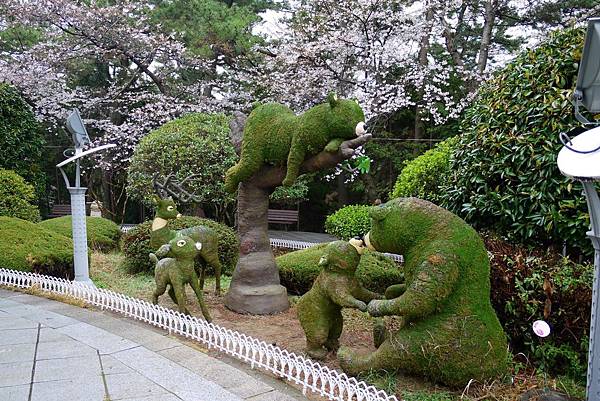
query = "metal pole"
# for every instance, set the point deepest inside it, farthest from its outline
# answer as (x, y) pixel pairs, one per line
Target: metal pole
(80, 249)
(593, 373)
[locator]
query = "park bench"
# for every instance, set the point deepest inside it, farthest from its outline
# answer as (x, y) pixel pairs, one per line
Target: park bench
(59, 211)
(286, 217)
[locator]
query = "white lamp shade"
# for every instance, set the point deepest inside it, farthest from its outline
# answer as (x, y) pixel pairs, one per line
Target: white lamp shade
(579, 165)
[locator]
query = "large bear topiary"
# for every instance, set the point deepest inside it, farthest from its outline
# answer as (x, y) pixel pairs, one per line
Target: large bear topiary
(274, 134)
(450, 332)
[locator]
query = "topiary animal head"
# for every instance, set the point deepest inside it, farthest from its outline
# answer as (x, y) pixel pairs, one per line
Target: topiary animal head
(341, 257)
(166, 208)
(183, 247)
(345, 118)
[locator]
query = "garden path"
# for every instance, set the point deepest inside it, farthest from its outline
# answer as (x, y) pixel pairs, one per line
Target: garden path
(303, 236)
(55, 351)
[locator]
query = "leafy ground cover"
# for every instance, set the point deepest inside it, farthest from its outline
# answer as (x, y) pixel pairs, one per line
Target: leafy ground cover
(283, 329)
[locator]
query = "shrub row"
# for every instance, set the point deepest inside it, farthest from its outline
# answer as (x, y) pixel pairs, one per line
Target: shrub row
(298, 270)
(136, 244)
(348, 222)
(16, 197)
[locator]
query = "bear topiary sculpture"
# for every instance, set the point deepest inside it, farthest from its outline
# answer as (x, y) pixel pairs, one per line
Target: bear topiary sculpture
(274, 134)
(319, 310)
(177, 270)
(450, 331)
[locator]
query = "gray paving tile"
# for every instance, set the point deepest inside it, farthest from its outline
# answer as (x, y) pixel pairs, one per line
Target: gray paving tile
(63, 349)
(16, 353)
(74, 389)
(15, 322)
(66, 368)
(132, 385)
(177, 379)
(18, 336)
(48, 335)
(48, 318)
(100, 339)
(15, 373)
(271, 396)
(111, 366)
(15, 393)
(162, 397)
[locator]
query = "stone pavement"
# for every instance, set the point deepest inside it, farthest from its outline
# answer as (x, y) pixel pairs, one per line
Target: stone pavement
(54, 351)
(302, 236)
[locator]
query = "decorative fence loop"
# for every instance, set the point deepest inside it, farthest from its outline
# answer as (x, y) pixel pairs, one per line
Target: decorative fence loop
(295, 368)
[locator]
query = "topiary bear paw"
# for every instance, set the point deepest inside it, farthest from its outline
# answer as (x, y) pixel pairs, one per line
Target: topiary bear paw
(348, 361)
(288, 182)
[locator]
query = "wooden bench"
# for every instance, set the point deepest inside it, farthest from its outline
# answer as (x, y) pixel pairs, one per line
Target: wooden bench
(283, 217)
(59, 211)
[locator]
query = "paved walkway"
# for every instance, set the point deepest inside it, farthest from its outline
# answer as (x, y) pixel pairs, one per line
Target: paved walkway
(54, 351)
(301, 236)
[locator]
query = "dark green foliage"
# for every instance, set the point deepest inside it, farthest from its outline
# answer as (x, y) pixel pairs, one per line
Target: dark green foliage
(103, 234)
(21, 139)
(528, 286)
(16, 197)
(349, 221)
(136, 244)
(421, 177)
(503, 173)
(298, 270)
(194, 144)
(26, 246)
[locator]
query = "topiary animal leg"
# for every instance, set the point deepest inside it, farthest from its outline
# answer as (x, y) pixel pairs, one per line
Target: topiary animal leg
(335, 331)
(387, 357)
(212, 259)
(250, 162)
(161, 286)
(200, 297)
(172, 295)
(295, 159)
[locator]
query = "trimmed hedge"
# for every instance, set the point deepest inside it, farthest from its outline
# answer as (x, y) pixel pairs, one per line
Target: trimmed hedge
(348, 222)
(103, 234)
(503, 175)
(26, 246)
(16, 196)
(298, 270)
(136, 244)
(422, 176)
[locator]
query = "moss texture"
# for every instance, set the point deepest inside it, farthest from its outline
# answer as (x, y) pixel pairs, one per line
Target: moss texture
(103, 234)
(451, 333)
(26, 246)
(275, 135)
(178, 270)
(298, 270)
(320, 309)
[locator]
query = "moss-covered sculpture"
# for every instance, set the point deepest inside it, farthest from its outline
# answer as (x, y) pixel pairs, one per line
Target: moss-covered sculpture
(320, 309)
(274, 134)
(177, 270)
(166, 210)
(451, 333)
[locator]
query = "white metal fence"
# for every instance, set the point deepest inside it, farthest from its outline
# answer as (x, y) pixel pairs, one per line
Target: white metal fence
(290, 244)
(295, 368)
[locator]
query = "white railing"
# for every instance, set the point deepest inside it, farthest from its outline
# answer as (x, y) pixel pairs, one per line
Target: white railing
(295, 368)
(291, 244)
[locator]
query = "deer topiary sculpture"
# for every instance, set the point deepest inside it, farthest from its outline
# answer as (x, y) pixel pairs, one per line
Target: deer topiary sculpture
(161, 234)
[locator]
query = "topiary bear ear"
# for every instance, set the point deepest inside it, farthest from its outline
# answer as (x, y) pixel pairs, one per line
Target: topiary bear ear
(332, 99)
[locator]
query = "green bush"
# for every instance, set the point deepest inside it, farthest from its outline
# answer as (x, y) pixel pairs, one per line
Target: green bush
(503, 173)
(21, 139)
(16, 196)
(136, 244)
(26, 246)
(196, 143)
(298, 270)
(103, 234)
(421, 177)
(531, 285)
(348, 222)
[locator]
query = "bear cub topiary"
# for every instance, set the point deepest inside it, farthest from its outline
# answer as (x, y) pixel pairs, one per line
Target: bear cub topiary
(320, 309)
(274, 134)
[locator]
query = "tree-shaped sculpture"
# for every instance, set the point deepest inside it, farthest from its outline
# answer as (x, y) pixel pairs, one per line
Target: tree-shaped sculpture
(278, 145)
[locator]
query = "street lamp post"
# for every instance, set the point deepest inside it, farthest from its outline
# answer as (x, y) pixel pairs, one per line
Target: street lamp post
(579, 159)
(80, 250)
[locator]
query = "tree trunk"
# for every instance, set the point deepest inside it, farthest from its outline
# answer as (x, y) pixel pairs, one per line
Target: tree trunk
(255, 284)
(423, 53)
(486, 35)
